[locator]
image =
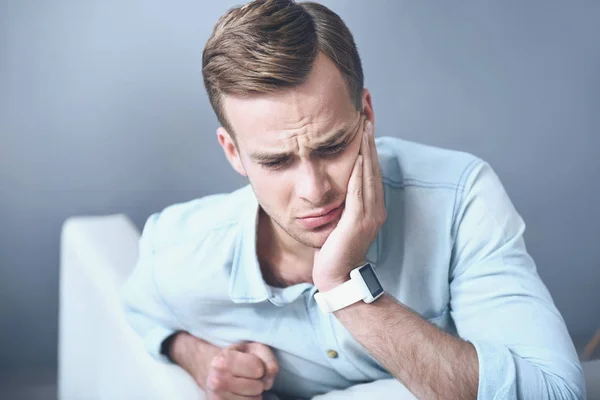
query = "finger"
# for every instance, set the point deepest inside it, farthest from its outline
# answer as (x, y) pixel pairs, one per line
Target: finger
(370, 131)
(230, 396)
(354, 196)
(267, 356)
(368, 181)
(378, 183)
(362, 149)
(239, 364)
(225, 382)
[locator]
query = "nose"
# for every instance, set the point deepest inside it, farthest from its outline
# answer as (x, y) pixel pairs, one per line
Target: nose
(312, 183)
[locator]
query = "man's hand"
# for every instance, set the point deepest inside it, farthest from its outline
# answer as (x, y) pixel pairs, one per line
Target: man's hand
(364, 214)
(241, 371)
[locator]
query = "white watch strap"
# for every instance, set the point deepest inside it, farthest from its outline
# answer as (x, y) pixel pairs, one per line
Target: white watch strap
(341, 296)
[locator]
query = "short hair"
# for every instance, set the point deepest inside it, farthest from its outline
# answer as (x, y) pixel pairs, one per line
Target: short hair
(268, 45)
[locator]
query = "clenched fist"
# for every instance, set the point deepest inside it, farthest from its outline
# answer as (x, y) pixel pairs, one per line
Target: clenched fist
(241, 371)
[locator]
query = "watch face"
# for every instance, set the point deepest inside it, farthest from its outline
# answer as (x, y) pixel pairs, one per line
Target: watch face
(371, 280)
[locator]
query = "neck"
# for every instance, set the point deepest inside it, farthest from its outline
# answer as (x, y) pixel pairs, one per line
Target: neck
(283, 260)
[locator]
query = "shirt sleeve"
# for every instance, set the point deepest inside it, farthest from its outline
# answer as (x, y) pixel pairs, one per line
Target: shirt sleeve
(145, 309)
(500, 304)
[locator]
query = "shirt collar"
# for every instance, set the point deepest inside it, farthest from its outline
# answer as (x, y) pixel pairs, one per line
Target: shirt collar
(246, 284)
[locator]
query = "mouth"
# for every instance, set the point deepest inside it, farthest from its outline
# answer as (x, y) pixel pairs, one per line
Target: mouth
(321, 217)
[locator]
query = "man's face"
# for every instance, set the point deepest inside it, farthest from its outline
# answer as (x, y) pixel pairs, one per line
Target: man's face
(298, 148)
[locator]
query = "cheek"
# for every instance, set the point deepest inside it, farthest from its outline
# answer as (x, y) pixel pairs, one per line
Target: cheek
(341, 169)
(348, 160)
(271, 188)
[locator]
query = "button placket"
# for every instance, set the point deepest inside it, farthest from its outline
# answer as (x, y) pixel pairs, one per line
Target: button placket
(323, 327)
(353, 351)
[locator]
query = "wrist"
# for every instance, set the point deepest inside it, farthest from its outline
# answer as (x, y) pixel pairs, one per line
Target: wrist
(363, 285)
(194, 355)
(331, 281)
(329, 284)
(167, 345)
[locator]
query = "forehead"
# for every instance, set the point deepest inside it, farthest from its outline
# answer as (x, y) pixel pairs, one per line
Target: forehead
(318, 107)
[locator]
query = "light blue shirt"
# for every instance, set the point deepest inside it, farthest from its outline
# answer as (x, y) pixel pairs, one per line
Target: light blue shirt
(451, 249)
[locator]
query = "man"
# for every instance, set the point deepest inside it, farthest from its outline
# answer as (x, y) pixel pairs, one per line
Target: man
(277, 286)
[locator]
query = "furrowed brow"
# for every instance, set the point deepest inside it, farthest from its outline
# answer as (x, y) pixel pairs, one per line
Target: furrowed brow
(332, 140)
(337, 137)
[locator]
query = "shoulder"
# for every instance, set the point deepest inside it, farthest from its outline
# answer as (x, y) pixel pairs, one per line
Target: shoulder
(198, 220)
(410, 164)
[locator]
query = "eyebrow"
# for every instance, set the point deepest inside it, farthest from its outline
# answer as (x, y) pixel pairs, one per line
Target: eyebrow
(329, 142)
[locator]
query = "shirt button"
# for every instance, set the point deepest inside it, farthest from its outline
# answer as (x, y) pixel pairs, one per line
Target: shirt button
(332, 354)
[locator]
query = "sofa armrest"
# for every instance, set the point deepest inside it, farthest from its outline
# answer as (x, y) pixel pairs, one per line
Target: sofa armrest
(100, 355)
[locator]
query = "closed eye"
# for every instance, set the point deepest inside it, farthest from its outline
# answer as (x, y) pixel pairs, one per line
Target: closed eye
(275, 164)
(280, 163)
(332, 150)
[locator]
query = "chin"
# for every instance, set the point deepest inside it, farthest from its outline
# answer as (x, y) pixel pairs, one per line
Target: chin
(315, 238)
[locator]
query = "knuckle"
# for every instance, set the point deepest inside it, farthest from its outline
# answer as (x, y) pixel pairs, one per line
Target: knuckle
(259, 345)
(256, 348)
(383, 216)
(274, 368)
(220, 362)
(217, 382)
(258, 370)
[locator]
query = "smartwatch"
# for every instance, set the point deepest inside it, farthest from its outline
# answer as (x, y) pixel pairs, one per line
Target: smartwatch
(363, 285)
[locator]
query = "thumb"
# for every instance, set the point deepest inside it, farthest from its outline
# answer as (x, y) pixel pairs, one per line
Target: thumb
(267, 356)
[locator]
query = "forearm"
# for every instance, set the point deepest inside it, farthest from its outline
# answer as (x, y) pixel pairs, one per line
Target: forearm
(431, 363)
(194, 355)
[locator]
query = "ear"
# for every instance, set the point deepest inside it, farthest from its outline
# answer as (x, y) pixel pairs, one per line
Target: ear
(367, 104)
(231, 151)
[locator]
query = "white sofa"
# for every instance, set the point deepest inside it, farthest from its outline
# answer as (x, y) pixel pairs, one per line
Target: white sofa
(101, 357)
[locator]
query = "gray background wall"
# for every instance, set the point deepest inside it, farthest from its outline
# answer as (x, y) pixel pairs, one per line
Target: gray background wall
(102, 110)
